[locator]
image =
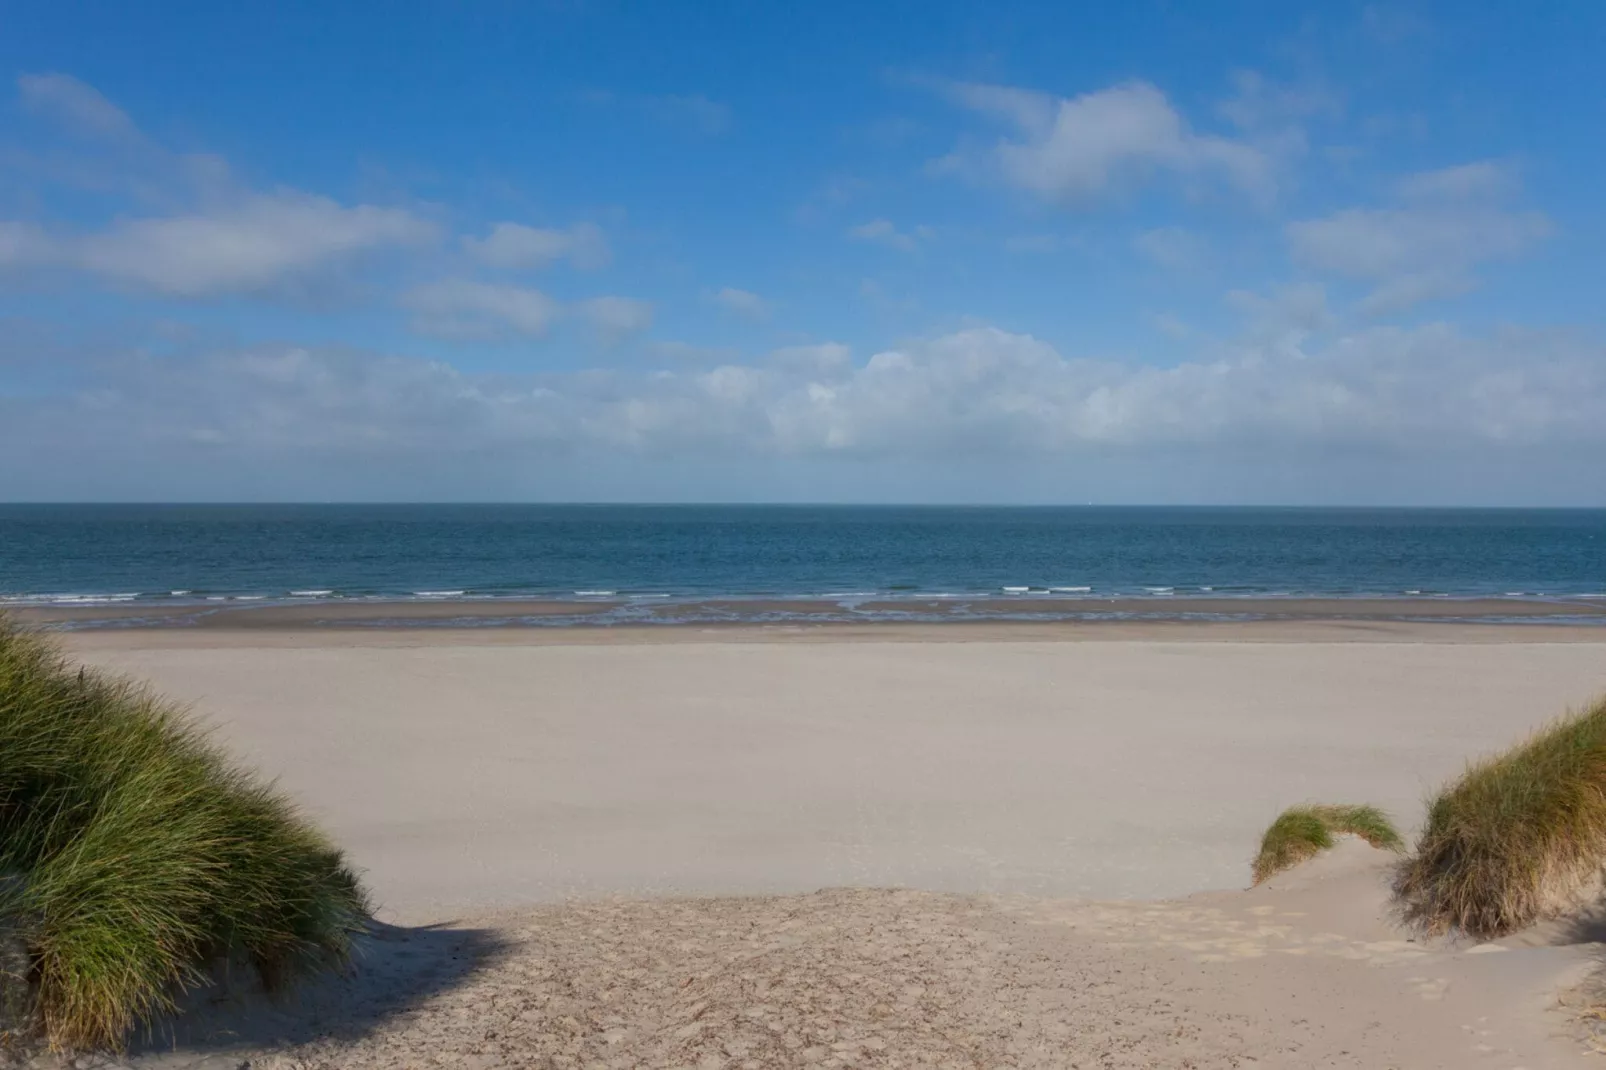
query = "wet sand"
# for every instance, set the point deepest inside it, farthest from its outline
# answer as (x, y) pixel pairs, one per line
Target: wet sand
(1056, 617)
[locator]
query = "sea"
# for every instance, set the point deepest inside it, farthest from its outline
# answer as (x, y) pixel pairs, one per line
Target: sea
(676, 558)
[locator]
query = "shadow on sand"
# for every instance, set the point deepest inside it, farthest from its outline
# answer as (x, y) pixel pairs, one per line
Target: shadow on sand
(395, 970)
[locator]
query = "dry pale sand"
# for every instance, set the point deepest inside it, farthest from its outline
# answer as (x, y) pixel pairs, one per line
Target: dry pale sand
(583, 814)
(1298, 973)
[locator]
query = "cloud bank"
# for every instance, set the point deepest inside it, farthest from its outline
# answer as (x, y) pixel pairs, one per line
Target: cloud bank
(1390, 394)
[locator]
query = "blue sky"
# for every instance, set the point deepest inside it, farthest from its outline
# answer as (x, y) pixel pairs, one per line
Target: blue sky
(1151, 252)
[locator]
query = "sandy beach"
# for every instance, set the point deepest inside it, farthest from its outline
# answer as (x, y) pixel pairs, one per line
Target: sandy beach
(626, 836)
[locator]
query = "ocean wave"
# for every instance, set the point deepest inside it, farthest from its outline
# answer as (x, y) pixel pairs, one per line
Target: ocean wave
(321, 592)
(68, 599)
(1161, 590)
(595, 594)
(1017, 590)
(1070, 590)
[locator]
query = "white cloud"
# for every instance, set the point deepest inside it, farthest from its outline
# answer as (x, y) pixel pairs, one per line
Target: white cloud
(1468, 181)
(1033, 243)
(743, 303)
(874, 294)
(1449, 222)
(513, 245)
(23, 244)
(256, 245)
(1377, 243)
(463, 308)
(80, 106)
(1283, 320)
(1260, 105)
(250, 246)
(823, 359)
(616, 318)
(1172, 326)
(1074, 149)
(1172, 247)
(884, 232)
(979, 391)
(198, 233)
(689, 353)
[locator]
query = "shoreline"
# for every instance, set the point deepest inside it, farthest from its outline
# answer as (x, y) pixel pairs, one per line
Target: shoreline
(1071, 615)
(1004, 632)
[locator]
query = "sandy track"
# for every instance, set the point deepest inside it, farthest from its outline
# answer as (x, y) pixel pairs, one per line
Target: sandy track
(1301, 974)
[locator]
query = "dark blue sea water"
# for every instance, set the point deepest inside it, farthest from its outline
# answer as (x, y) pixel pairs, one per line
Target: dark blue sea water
(90, 554)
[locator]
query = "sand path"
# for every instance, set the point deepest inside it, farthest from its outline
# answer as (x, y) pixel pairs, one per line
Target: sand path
(1301, 973)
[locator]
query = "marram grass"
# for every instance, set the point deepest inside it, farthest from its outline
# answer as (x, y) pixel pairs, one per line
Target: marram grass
(1302, 832)
(134, 856)
(1519, 837)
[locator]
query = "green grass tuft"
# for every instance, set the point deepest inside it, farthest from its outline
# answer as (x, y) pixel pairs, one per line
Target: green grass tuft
(1302, 832)
(1519, 837)
(133, 855)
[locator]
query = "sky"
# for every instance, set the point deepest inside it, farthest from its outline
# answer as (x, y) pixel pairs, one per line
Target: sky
(581, 250)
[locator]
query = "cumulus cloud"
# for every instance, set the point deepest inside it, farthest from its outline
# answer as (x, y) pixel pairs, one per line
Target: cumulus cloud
(978, 392)
(885, 232)
(80, 106)
(1070, 150)
(466, 309)
(514, 245)
(743, 303)
(1428, 245)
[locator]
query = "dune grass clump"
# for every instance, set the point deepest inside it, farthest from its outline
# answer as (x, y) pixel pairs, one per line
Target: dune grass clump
(134, 856)
(1302, 832)
(1519, 837)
